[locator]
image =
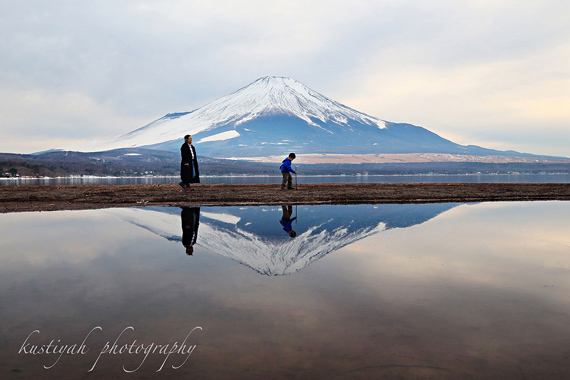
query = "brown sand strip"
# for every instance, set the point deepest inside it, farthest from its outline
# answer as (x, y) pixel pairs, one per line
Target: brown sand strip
(47, 198)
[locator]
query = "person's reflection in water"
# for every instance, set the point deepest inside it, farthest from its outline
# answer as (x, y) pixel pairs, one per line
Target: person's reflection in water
(286, 220)
(190, 221)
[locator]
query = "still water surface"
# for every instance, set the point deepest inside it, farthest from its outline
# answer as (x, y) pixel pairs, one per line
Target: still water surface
(436, 291)
(469, 178)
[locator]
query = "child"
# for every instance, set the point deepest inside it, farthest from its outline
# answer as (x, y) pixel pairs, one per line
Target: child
(286, 171)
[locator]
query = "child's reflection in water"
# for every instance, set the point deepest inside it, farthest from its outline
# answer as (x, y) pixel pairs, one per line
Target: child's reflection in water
(286, 220)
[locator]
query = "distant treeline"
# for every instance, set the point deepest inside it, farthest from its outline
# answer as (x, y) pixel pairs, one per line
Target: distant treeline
(120, 163)
(133, 162)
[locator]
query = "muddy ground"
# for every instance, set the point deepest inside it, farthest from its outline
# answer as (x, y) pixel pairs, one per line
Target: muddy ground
(48, 198)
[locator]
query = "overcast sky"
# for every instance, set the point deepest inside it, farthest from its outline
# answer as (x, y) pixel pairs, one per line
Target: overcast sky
(494, 73)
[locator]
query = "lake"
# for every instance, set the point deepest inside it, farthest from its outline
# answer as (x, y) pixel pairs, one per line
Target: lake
(422, 291)
(468, 178)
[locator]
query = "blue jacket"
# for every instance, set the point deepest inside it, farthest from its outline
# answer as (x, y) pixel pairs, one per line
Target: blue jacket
(286, 166)
(287, 224)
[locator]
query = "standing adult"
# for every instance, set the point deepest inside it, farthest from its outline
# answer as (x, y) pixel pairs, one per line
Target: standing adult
(189, 165)
(286, 171)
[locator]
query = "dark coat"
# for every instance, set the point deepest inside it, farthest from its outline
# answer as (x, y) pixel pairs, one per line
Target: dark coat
(190, 221)
(189, 167)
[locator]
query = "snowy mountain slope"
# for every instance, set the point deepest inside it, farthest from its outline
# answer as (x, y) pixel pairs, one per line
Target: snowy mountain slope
(254, 237)
(268, 96)
(277, 115)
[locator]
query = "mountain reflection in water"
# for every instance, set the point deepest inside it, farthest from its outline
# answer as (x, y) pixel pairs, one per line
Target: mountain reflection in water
(255, 236)
(479, 291)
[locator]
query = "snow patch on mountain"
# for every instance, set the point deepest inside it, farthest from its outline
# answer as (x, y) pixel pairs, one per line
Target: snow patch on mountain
(226, 218)
(220, 136)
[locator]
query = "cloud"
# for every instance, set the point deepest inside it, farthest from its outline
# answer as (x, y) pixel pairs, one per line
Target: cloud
(451, 67)
(520, 94)
(35, 119)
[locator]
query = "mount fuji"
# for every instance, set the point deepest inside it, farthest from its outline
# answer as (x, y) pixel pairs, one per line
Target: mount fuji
(254, 237)
(278, 115)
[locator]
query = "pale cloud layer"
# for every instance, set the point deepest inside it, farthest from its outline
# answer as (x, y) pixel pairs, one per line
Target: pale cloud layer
(491, 73)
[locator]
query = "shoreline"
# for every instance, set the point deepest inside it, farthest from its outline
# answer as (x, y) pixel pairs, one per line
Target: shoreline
(356, 174)
(85, 197)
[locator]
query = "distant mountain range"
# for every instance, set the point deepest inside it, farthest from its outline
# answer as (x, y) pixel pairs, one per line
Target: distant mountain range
(254, 237)
(277, 115)
(251, 130)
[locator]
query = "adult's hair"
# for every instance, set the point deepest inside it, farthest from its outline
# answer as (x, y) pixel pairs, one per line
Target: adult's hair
(186, 138)
(292, 155)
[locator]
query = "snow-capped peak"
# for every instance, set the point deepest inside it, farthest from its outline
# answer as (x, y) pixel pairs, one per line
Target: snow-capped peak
(286, 95)
(266, 96)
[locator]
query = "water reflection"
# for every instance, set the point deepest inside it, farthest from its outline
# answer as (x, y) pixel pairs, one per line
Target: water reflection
(251, 236)
(190, 221)
(476, 291)
(287, 220)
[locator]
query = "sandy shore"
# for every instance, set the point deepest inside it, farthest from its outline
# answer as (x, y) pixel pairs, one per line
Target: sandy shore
(48, 198)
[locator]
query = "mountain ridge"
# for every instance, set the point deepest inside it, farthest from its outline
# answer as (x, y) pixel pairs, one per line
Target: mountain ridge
(278, 115)
(252, 236)
(265, 97)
